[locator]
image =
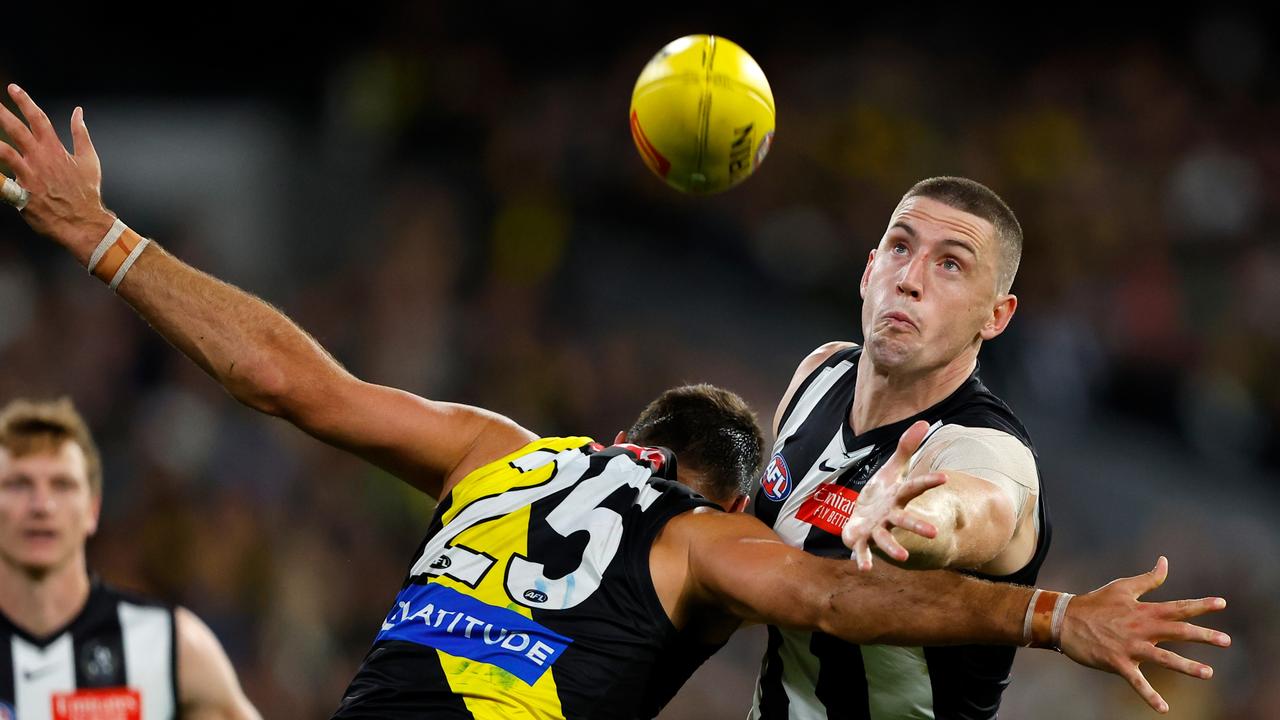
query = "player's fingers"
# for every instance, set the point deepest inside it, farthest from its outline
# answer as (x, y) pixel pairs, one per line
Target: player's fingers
(17, 130)
(851, 532)
(41, 128)
(918, 485)
(1140, 685)
(1184, 609)
(888, 544)
(17, 164)
(914, 523)
(1142, 584)
(863, 555)
(910, 442)
(81, 143)
(1177, 663)
(1186, 632)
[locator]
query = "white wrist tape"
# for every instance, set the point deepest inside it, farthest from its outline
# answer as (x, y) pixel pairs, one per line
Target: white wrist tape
(119, 249)
(117, 229)
(128, 262)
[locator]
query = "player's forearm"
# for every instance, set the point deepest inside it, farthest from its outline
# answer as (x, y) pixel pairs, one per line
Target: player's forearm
(890, 606)
(261, 357)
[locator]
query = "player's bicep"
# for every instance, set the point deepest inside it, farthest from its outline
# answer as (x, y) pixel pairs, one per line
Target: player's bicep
(427, 443)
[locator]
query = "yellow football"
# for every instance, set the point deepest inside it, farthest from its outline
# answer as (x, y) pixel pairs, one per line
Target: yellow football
(702, 114)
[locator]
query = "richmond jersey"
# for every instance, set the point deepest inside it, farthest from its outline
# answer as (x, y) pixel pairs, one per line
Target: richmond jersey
(807, 492)
(531, 595)
(114, 660)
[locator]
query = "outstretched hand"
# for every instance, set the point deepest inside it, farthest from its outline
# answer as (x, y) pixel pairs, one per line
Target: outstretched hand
(881, 506)
(1110, 629)
(65, 188)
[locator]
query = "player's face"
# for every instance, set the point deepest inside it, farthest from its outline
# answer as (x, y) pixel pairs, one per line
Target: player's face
(929, 290)
(47, 509)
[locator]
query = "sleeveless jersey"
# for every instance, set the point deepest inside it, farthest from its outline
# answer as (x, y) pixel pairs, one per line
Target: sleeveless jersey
(115, 659)
(531, 596)
(806, 493)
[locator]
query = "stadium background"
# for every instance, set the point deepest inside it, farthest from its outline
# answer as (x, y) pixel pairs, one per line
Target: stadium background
(450, 201)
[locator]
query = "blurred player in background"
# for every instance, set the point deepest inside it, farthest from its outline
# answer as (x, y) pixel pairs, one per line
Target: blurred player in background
(558, 574)
(71, 646)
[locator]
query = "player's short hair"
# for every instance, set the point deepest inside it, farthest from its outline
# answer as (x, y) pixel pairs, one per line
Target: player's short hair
(31, 427)
(711, 430)
(975, 198)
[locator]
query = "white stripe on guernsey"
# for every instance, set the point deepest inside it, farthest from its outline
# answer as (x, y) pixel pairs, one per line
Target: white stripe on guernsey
(38, 673)
(809, 400)
(148, 641)
(898, 686)
(792, 530)
(799, 668)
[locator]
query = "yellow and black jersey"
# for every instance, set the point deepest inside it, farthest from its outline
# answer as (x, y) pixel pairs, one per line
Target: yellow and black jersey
(531, 595)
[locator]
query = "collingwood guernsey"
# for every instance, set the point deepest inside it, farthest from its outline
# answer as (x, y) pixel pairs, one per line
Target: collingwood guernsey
(113, 660)
(807, 491)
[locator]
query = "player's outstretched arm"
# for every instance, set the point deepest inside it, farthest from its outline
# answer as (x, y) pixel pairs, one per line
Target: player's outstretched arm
(260, 356)
(207, 684)
(740, 566)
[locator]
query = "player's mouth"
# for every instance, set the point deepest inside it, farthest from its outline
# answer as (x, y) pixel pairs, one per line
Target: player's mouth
(40, 535)
(900, 320)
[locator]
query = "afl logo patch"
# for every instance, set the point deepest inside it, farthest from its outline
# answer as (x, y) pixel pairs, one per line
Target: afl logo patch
(776, 482)
(7, 712)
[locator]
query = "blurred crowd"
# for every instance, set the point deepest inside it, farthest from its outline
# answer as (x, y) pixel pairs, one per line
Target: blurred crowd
(453, 218)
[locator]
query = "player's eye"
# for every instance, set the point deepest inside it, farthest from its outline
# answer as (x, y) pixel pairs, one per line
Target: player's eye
(899, 248)
(950, 265)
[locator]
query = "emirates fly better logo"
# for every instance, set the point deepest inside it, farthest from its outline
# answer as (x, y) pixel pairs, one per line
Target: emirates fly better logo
(776, 482)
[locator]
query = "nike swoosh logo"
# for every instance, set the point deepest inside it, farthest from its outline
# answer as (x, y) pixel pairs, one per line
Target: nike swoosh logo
(31, 674)
(823, 466)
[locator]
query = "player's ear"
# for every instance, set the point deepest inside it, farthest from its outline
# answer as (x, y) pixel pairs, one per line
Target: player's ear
(739, 504)
(1001, 314)
(620, 438)
(866, 275)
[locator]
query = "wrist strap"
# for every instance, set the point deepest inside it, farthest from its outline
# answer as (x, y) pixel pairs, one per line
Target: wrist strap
(1042, 626)
(116, 253)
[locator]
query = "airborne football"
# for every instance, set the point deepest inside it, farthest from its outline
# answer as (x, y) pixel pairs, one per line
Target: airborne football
(702, 114)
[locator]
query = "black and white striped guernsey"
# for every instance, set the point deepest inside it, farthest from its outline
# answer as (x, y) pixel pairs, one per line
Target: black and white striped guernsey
(115, 659)
(806, 491)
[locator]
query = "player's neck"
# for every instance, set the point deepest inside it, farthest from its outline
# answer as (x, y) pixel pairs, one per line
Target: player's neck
(42, 605)
(883, 397)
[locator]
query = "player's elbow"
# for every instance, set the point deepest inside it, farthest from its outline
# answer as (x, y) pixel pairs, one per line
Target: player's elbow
(262, 386)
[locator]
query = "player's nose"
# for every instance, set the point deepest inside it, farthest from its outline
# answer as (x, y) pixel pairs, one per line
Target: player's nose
(911, 281)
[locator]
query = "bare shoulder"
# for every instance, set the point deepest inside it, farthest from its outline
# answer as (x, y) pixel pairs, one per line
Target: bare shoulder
(811, 362)
(207, 683)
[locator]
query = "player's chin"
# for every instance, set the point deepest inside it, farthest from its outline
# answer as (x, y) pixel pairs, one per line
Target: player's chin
(37, 562)
(892, 350)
